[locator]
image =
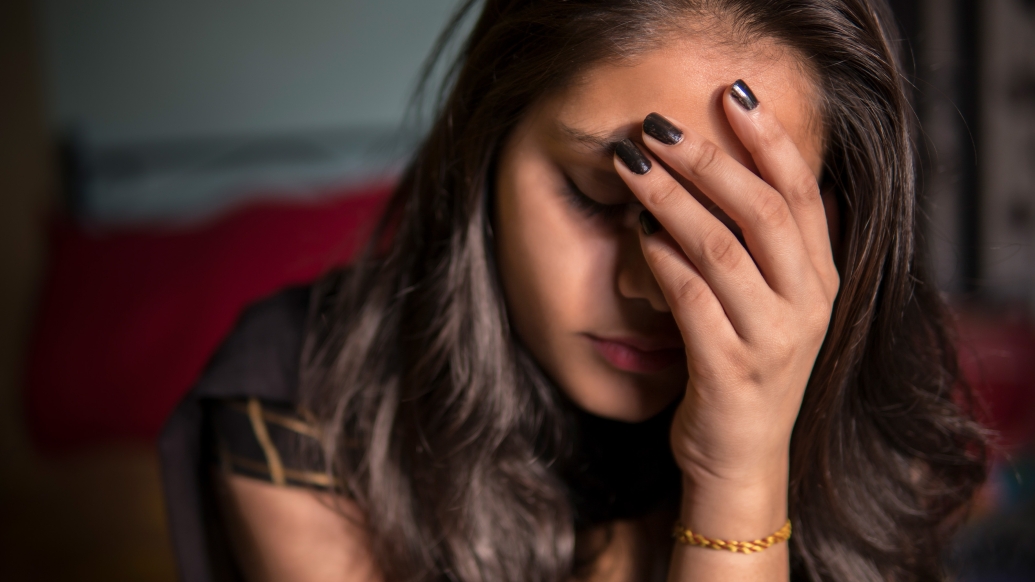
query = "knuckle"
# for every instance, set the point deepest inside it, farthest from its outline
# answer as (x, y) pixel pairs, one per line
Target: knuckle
(776, 352)
(816, 316)
(771, 209)
(691, 291)
(702, 158)
(806, 190)
(721, 249)
(661, 194)
(831, 284)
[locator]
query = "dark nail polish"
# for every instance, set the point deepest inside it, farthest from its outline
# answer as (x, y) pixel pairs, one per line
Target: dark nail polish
(648, 223)
(743, 95)
(632, 157)
(661, 129)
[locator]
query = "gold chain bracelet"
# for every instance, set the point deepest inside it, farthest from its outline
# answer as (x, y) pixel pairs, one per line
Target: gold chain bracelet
(692, 539)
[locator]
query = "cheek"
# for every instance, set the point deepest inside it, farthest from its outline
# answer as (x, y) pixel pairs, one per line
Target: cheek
(552, 267)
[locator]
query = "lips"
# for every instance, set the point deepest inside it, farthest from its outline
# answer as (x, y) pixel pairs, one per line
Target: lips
(639, 355)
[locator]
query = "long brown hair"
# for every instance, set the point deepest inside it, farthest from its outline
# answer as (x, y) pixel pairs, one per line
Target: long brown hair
(449, 438)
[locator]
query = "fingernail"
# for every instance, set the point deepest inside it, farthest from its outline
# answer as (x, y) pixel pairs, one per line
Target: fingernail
(648, 223)
(632, 157)
(661, 129)
(743, 95)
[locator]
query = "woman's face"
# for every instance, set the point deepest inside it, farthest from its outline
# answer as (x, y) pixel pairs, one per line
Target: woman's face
(579, 292)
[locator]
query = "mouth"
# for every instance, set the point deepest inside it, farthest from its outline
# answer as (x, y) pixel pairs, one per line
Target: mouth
(637, 355)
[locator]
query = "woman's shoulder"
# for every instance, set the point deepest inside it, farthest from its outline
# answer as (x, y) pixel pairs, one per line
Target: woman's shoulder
(261, 356)
(250, 391)
(237, 407)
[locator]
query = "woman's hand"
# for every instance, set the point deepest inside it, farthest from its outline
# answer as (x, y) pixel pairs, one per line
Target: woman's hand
(753, 319)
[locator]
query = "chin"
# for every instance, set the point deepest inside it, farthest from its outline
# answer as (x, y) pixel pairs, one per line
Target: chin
(626, 401)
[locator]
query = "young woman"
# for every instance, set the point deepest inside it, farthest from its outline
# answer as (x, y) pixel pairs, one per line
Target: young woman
(655, 263)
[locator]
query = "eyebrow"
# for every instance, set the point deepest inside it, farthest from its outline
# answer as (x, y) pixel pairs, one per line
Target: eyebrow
(600, 143)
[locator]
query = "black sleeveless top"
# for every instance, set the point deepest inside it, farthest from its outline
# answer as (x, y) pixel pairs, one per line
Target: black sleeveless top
(238, 416)
(241, 417)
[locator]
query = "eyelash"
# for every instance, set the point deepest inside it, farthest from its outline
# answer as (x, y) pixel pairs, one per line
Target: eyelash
(587, 205)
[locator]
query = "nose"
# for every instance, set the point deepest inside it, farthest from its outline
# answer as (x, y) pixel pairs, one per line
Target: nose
(635, 279)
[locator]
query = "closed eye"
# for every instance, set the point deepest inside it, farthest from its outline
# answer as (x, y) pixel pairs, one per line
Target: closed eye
(588, 206)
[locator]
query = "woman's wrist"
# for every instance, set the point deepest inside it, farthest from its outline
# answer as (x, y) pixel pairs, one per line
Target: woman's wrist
(747, 507)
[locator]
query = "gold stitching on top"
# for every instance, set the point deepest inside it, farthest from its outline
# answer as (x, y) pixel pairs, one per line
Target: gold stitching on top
(276, 467)
(292, 424)
(307, 477)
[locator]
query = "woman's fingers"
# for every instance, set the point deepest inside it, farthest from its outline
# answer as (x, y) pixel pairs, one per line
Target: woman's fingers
(782, 166)
(716, 253)
(703, 322)
(761, 212)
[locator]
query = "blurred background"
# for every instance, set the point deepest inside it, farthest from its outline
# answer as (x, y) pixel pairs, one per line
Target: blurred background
(164, 163)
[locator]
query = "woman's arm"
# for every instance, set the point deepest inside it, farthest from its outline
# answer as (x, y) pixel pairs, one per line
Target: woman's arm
(753, 320)
(294, 534)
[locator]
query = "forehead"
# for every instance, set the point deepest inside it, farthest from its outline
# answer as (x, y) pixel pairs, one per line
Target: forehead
(685, 79)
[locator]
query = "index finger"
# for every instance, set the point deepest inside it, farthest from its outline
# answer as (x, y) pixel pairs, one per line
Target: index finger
(783, 167)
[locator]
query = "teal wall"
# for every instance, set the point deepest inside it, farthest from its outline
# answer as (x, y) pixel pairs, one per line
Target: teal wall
(141, 70)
